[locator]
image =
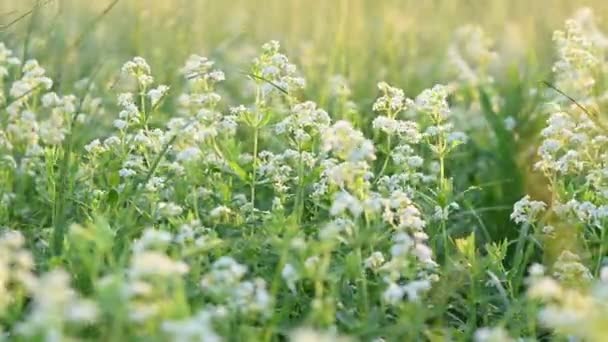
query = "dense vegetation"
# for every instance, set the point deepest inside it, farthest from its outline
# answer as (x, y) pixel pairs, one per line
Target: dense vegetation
(169, 173)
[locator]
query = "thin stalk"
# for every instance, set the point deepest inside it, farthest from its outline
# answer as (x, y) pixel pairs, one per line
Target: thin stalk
(299, 205)
(600, 255)
(442, 197)
(254, 165)
(30, 31)
(388, 157)
(473, 297)
(58, 220)
(142, 98)
(274, 291)
(58, 215)
(21, 17)
(522, 253)
(364, 300)
(92, 25)
(256, 127)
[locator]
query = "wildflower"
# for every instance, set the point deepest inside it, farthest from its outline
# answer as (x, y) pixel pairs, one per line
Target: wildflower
(304, 122)
(339, 86)
(169, 209)
(150, 264)
(199, 327)
(526, 211)
(225, 271)
(311, 335)
(157, 94)
(545, 288)
(471, 55)
(548, 229)
(509, 123)
(152, 239)
(496, 334)
(347, 143)
(290, 275)
(393, 294)
(50, 313)
(392, 101)
(604, 274)
(120, 124)
(94, 147)
(201, 68)
(140, 70)
(189, 154)
(126, 172)
(414, 288)
(220, 211)
(345, 201)
(33, 79)
(406, 129)
(434, 102)
(374, 261)
(252, 297)
(273, 66)
(569, 269)
(50, 100)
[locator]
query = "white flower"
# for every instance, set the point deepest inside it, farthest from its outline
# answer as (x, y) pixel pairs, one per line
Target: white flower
(169, 209)
(414, 288)
(374, 261)
(347, 143)
(157, 94)
(526, 211)
(604, 274)
(126, 172)
(50, 100)
(220, 211)
(151, 264)
(393, 294)
(345, 201)
(136, 67)
(291, 276)
(189, 154)
(497, 334)
(391, 102)
(311, 335)
(536, 270)
(545, 288)
(509, 123)
(199, 327)
(120, 124)
(94, 146)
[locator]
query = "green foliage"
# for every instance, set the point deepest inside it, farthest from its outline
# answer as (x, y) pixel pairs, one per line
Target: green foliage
(171, 201)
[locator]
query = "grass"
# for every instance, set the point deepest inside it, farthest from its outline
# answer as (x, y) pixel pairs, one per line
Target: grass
(342, 208)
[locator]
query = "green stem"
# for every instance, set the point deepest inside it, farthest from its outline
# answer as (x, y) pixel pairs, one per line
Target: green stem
(364, 306)
(58, 215)
(254, 165)
(274, 290)
(443, 201)
(364, 285)
(299, 205)
(388, 157)
(600, 255)
(142, 99)
(472, 305)
(523, 252)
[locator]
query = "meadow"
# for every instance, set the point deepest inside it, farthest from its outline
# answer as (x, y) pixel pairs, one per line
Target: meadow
(289, 170)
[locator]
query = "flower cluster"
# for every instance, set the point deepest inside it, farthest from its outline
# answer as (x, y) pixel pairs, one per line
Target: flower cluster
(471, 55)
(206, 210)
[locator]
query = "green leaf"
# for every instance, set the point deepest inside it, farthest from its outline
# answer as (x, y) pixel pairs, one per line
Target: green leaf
(113, 197)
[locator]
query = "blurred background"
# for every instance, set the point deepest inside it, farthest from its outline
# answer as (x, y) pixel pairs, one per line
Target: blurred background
(400, 41)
